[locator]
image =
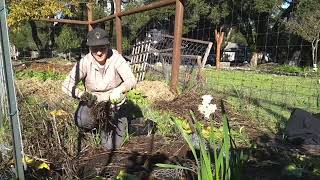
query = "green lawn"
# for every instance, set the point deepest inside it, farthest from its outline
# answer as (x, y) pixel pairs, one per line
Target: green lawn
(265, 97)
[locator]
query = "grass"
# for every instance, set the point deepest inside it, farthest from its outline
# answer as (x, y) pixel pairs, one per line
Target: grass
(41, 75)
(266, 97)
(292, 69)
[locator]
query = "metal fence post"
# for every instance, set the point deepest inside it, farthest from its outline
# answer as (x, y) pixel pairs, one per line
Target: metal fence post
(13, 108)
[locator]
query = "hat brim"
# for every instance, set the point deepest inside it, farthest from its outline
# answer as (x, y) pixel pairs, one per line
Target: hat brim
(100, 42)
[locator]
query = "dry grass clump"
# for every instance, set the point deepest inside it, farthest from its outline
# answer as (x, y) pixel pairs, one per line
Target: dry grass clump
(155, 90)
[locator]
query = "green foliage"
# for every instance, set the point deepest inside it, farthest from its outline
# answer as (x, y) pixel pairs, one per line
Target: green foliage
(219, 12)
(137, 97)
(23, 10)
(125, 43)
(305, 21)
(164, 124)
(139, 19)
(266, 98)
(222, 151)
(68, 39)
(238, 37)
(23, 39)
(267, 6)
(41, 75)
(290, 69)
(196, 9)
(98, 12)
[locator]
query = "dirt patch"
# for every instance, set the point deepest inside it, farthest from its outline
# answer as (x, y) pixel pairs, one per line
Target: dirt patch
(51, 67)
(137, 157)
(45, 66)
(183, 104)
(155, 90)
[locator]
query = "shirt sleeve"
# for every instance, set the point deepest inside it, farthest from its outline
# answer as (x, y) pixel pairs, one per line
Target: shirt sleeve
(77, 74)
(124, 70)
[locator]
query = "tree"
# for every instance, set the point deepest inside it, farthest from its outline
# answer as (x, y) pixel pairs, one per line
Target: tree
(68, 40)
(22, 39)
(305, 22)
(22, 11)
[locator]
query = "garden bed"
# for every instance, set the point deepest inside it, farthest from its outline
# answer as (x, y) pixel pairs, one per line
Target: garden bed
(266, 155)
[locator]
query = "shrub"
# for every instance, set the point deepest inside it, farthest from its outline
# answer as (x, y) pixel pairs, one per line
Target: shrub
(67, 40)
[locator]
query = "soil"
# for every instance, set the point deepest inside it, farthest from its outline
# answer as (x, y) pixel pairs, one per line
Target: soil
(49, 65)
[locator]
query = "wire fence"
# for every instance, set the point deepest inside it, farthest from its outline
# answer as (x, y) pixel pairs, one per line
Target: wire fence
(3, 93)
(267, 98)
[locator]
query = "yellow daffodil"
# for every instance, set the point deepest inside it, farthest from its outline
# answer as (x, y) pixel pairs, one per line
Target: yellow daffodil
(59, 112)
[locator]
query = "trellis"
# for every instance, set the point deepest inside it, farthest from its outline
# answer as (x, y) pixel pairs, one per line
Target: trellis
(139, 57)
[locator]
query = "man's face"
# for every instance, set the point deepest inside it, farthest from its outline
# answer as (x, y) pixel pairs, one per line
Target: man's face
(99, 53)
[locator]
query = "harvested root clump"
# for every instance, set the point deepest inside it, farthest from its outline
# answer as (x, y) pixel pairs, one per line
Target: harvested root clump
(104, 116)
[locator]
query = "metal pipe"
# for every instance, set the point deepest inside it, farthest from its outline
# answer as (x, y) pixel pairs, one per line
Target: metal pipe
(68, 21)
(108, 18)
(150, 6)
(176, 61)
(118, 26)
(12, 101)
(188, 39)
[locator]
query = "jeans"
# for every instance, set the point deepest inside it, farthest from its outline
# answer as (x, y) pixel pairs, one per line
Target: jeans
(109, 140)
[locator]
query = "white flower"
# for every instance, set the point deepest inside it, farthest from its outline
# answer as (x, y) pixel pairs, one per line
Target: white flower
(206, 108)
(206, 99)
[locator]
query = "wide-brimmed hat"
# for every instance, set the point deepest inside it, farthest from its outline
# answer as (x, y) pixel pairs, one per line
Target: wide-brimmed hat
(97, 37)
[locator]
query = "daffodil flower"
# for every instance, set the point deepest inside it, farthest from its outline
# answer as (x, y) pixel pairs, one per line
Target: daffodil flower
(206, 99)
(206, 108)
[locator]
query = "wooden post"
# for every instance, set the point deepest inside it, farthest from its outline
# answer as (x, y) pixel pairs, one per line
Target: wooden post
(176, 60)
(118, 26)
(219, 39)
(89, 5)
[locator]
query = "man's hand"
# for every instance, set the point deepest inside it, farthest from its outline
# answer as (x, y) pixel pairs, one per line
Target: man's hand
(116, 96)
(88, 98)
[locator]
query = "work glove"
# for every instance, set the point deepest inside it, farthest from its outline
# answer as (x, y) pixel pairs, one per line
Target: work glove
(88, 98)
(116, 96)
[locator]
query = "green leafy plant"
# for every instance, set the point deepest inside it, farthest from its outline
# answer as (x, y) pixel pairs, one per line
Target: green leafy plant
(137, 97)
(41, 75)
(290, 69)
(222, 150)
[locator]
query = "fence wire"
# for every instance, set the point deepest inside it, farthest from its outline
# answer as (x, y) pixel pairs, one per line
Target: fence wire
(3, 93)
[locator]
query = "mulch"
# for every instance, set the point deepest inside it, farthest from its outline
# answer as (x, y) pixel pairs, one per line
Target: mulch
(137, 157)
(44, 66)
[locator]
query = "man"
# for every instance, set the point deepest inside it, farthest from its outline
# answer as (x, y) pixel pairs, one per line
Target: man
(106, 76)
